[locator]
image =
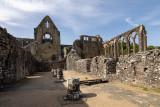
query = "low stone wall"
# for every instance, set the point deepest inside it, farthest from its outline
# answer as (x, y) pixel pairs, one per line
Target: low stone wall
(83, 65)
(48, 65)
(142, 69)
(98, 66)
(102, 66)
(15, 63)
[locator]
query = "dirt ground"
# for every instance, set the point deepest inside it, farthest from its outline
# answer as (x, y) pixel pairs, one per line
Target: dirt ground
(40, 90)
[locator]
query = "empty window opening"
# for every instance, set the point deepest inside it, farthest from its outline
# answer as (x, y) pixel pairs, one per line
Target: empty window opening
(47, 38)
(145, 69)
(47, 24)
(85, 38)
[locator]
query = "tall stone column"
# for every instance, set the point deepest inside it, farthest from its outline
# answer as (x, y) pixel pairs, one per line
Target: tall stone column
(128, 46)
(105, 49)
(115, 48)
(112, 50)
(109, 50)
(140, 39)
(111, 53)
(145, 41)
(134, 45)
(118, 49)
(122, 47)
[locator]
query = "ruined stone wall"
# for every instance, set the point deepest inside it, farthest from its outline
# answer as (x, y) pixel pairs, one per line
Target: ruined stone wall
(24, 41)
(115, 47)
(83, 65)
(48, 65)
(142, 69)
(102, 66)
(65, 49)
(46, 48)
(72, 57)
(88, 46)
(98, 66)
(15, 63)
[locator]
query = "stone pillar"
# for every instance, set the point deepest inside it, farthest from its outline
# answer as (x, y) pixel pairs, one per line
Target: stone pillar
(115, 48)
(134, 45)
(122, 47)
(105, 49)
(118, 49)
(141, 39)
(145, 41)
(128, 46)
(112, 47)
(109, 50)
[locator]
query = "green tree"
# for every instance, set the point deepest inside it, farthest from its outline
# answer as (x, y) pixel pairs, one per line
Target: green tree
(150, 47)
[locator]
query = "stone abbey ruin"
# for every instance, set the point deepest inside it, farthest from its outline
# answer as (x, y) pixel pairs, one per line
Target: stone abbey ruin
(116, 59)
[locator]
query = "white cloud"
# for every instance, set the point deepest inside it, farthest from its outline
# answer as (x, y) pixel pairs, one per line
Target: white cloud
(128, 20)
(84, 14)
(13, 24)
(155, 23)
(8, 14)
(26, 5)
(73, 14)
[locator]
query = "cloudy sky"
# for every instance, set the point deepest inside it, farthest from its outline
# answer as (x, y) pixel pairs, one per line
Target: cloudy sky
(73, 18)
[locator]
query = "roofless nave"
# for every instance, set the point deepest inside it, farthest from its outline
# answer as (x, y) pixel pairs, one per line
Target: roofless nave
(89, 54)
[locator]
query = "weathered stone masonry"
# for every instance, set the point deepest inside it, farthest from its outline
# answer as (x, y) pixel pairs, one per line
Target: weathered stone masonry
(142, 68)
(15, 63)
(98, 66)
(88, 46)
(115, 46)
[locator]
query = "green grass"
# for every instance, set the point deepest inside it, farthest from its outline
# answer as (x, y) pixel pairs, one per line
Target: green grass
(143, 88)
(146, 89)
(156, 90)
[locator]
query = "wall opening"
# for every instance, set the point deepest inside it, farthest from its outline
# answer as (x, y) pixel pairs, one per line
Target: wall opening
(47, 24)
(47, 38)
(145, 69)
(137, 43)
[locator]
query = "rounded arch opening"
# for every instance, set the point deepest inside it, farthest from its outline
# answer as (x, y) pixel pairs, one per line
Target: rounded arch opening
(134, 42)
(47, 38)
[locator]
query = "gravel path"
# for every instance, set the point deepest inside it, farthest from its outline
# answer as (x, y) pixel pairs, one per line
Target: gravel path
(40, 90)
